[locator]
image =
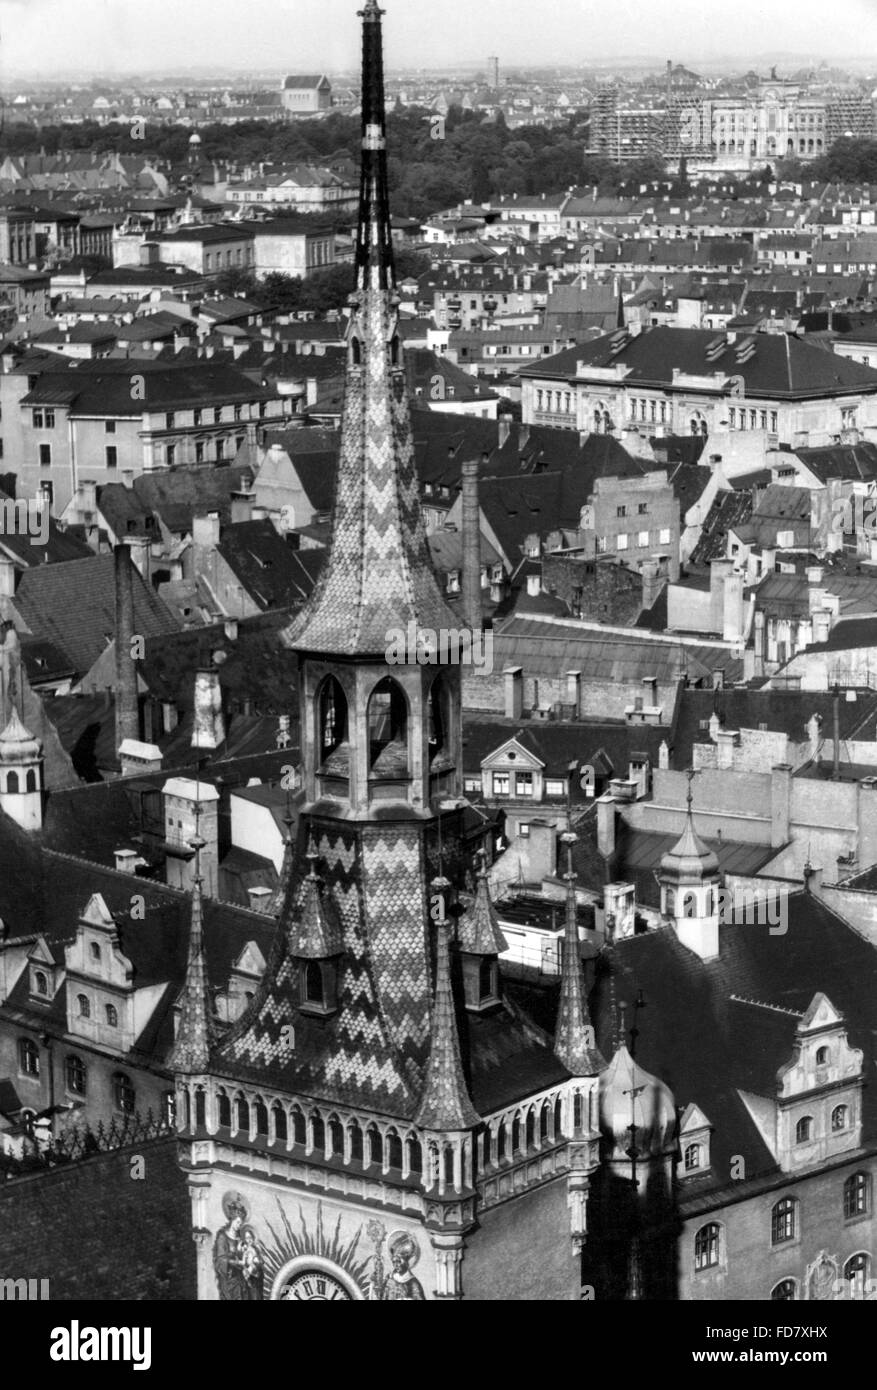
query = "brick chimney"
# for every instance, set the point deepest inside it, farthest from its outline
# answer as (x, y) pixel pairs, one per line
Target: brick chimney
(514, 691)
(208, 730)
(127, 712)
(471, 522)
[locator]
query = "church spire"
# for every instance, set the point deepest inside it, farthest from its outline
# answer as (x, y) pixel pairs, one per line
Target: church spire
(445, 1104)
(378, 576)
(574, 1042)
(374, 241)
(195, 1034)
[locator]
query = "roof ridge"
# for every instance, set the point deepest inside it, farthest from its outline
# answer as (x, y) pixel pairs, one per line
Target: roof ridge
(763, 1004)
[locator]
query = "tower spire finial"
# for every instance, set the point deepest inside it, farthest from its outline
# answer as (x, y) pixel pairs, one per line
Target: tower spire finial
(445, 1103)
(574, 1042)
(196, 1032)
(374, 241)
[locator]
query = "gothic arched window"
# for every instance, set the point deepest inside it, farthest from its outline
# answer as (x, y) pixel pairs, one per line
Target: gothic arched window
(332, 717)
(388, 729)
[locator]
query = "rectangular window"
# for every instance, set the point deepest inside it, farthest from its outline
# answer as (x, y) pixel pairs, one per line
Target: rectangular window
(38, 419)
(170, 420)
(50, 419)
(621, 511)
(642, 539)
(642, 508)
(621, 542)
(109, 427)
(774, 422)
(524, 783)
(524, 829)
(112, 457)
(170, 455)
(665, 537)
(197, 417)
(199, 451)
(220, 449)
(500, 784)
(554, 787)
(45, 456)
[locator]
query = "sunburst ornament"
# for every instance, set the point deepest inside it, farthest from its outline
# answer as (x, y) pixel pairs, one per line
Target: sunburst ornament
(291, 1245)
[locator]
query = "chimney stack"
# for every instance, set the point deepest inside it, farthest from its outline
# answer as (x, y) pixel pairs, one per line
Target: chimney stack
(209, 725)
(127, 713)
(471, 519)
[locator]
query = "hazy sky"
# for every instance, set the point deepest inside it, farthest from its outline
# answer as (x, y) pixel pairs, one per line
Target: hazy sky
(42, 36)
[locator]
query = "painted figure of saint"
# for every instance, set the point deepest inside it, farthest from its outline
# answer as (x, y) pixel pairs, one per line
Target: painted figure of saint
(402, 1283)
(227, 1261)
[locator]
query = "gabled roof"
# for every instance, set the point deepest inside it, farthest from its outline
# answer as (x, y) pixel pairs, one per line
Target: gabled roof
(271, 572)
(72, 604)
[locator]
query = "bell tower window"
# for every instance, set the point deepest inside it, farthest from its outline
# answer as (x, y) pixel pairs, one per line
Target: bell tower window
(333, 717)
(388, 730)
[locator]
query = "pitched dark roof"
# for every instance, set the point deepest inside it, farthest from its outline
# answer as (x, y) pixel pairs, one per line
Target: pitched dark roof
(270, 570)
(781, 365)
(783, 711)
(72, 604)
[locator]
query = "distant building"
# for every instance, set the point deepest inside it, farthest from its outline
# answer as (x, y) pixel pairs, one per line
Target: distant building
(306, 95)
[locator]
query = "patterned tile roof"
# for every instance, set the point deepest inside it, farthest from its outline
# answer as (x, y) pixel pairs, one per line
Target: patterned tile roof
(478, 930)
(195, 1034)
(445, 1103)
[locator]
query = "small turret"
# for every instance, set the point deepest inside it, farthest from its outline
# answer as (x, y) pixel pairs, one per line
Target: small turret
(21, 774)
(481, 942)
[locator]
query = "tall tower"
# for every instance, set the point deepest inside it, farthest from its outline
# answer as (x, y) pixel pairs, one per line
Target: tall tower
(354, 1118)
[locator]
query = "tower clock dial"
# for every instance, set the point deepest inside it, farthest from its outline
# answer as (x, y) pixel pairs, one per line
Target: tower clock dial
(314, 1285)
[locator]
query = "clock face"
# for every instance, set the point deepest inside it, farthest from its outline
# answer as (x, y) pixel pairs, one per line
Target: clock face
(315, 1285)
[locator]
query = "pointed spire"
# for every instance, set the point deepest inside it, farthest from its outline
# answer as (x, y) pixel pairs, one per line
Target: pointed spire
(378, 576)
(478, 929)
(445, 1103)
(574, 1043)
(279, 896)
(195, 1034)
(314, 928)
(690, 855)
(374, 240)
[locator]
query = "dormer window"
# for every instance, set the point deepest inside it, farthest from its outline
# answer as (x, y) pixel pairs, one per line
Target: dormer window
(693, 1157)
(41, 983)
(318, 987)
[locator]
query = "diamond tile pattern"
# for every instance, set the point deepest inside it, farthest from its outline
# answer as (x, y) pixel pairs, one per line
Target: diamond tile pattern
(378, 575)
(195, 1032)
(373, 1051)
